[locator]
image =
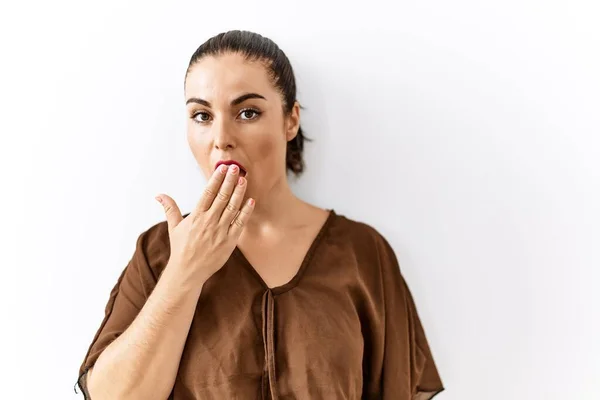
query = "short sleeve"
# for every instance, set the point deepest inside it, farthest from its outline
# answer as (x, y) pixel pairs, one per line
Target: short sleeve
(408, 369)
(127, 297)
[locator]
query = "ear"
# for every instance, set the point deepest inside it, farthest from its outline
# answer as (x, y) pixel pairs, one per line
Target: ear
(292, 123)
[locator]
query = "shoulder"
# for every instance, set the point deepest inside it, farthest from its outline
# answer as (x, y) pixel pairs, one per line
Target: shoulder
(366, 254)
(357, 231)
(362, 239)
(153, 249)
(155, 238)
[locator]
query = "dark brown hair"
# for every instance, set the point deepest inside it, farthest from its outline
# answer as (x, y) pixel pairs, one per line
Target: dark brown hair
(255, 47)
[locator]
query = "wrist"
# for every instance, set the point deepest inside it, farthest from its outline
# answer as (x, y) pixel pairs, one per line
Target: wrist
(182, 277)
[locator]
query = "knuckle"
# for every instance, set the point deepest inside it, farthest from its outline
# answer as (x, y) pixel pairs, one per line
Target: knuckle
(223, 196)
(197, 215)
(230, 207)
(208, 192)
(239, 222)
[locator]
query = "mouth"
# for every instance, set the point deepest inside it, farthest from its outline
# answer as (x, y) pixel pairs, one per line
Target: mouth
(243, 171)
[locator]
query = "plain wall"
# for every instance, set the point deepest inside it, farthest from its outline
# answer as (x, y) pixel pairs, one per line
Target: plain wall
(467, 132)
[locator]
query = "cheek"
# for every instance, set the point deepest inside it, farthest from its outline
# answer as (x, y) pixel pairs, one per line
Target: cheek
(266, 148)
(271, 146)
(199, 146)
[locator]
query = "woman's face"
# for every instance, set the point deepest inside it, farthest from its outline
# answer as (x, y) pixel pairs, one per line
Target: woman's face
(235, 113)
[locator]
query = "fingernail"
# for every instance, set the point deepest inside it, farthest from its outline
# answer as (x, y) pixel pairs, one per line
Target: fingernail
(223, 168)
(159, 199)
(241, 181)
(234, 168)
(251, 202)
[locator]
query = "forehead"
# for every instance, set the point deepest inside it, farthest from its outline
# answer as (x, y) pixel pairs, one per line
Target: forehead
(227, 75)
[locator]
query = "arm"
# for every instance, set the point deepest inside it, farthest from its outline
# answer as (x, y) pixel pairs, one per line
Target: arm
(137, 349)
(405, 365)
(143, 361)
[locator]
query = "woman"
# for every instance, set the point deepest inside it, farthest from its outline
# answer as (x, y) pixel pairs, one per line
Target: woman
(256, 294)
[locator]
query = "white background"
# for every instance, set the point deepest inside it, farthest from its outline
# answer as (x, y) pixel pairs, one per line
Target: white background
(467, 132)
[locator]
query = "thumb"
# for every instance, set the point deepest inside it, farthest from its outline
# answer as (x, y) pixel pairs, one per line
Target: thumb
(172, 211)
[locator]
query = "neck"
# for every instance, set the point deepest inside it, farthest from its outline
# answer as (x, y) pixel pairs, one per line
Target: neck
(275, 208)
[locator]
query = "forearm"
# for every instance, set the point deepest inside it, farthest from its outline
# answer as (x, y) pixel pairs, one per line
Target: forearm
(143, 361)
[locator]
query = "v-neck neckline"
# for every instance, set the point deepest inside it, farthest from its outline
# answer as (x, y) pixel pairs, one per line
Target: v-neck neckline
(305, 262)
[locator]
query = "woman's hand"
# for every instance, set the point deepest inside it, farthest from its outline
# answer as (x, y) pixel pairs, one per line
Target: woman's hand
(202, 242)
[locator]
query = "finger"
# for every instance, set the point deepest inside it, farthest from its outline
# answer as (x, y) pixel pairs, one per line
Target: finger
(211, 189)
(225, 191)
(240, 221)
(171, 209)
(235, 202)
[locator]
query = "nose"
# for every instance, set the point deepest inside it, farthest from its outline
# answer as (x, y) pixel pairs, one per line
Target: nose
(224, 138)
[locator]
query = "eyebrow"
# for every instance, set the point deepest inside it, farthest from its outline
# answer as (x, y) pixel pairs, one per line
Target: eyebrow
(234, 102)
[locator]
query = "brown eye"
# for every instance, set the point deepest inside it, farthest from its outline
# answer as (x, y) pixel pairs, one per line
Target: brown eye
(249, 114)
(201, 117)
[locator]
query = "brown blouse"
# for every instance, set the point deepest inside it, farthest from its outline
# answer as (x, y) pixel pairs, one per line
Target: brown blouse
(345, 327)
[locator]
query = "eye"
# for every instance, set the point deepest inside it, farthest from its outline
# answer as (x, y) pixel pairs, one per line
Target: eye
(201, 117)
(248, 114)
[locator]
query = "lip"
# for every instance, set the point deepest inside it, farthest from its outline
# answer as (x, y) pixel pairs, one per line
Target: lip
(232, 162)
